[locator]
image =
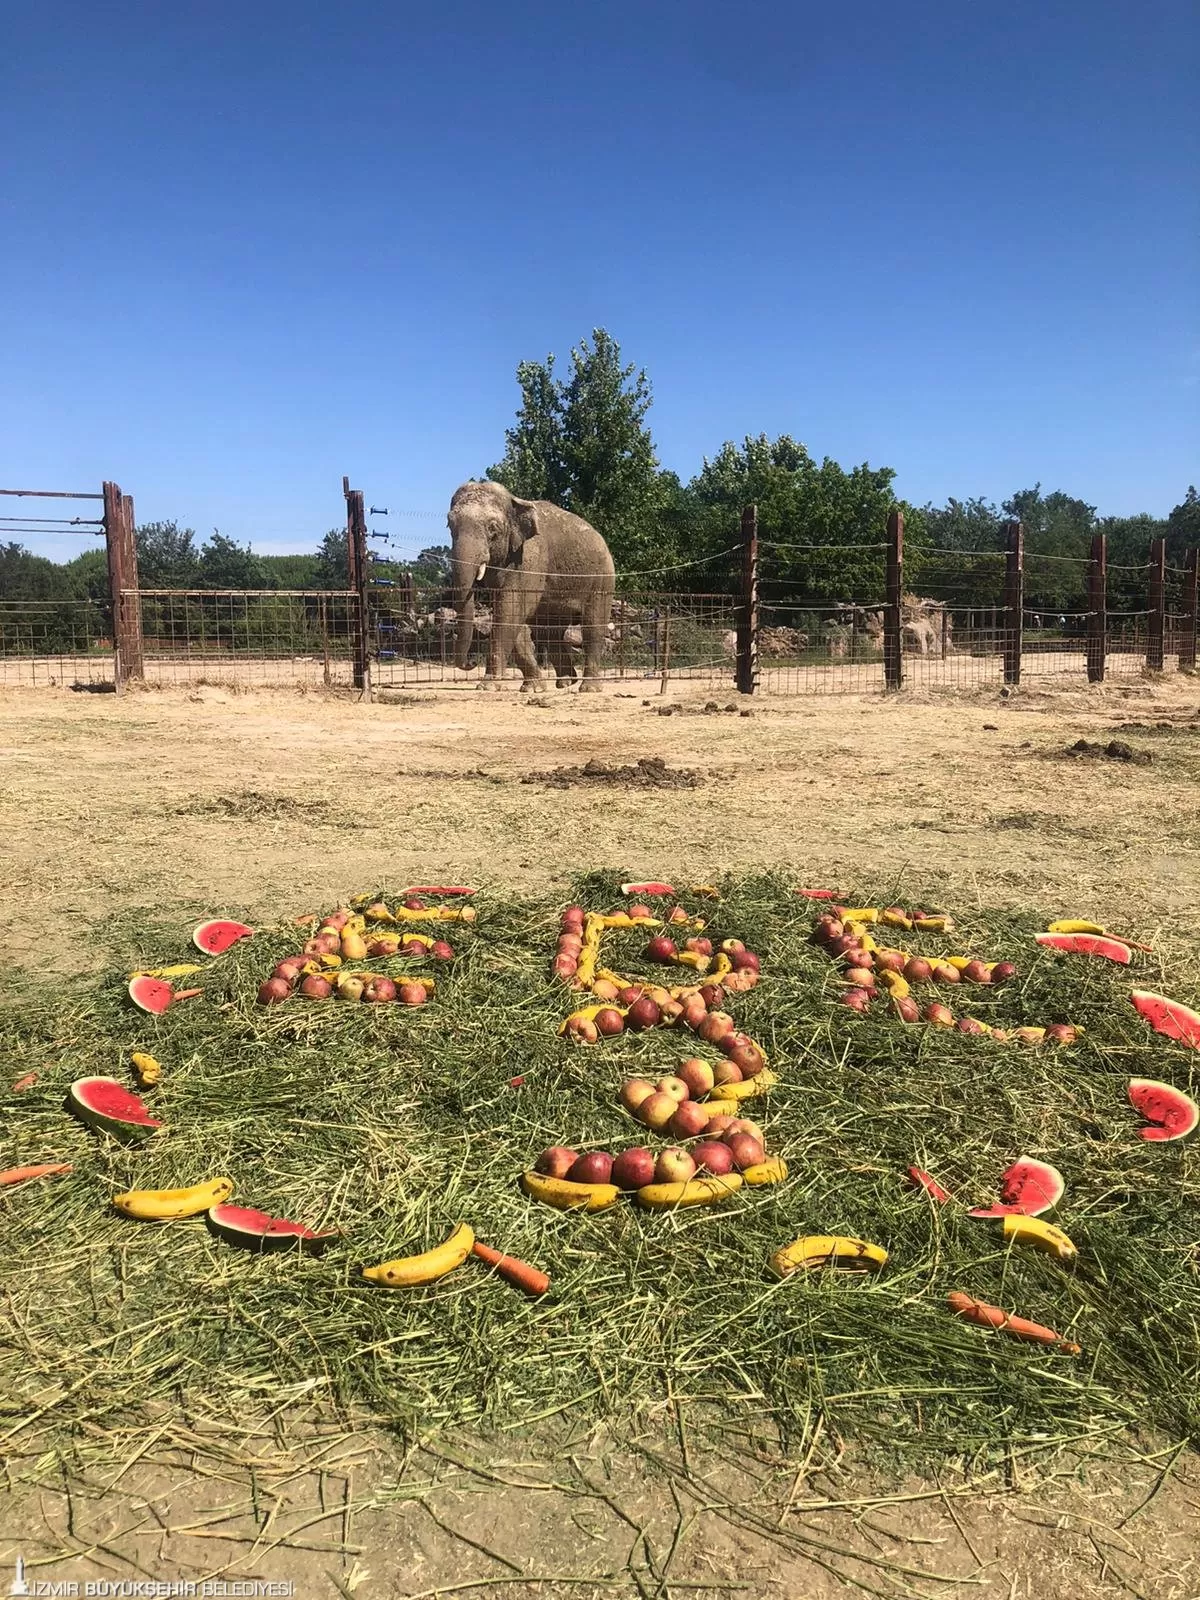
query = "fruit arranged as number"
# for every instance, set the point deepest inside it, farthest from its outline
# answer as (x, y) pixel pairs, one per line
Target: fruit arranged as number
(411, 1272)
(166, 1205)
(319, 971)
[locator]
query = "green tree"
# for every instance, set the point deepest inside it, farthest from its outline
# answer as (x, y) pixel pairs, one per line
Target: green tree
(583, 443)
(290, 572)
(225, 564)
(167, 557)
(1183, 527)
(1058, 537)
(333, 562)
(431, 569)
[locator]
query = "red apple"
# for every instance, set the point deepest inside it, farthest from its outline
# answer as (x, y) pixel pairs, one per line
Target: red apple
(697, 1074)
(719, 1125)
(712, 994)
(1061, 1033)
(609, 1022)
(745, 959)
(634, 1091)
(656, 1110)
(702, 947)
(583, 1030)
(273, 991)
(594, 1167)
(565, 966)
(726, 1072)
(379, 991)
(745, 1149)
(731, 946)
(748, 1057)
(556, 1161)
(441, 951)
(906, 1008)
(630, 993)
(917, 970)
(673, 1166)
(941, 1016)
(414, 947)
(289, 971)
(689, 1121)
(605, 989)
(943, 972)
(859, 977)
(413, 994)
(710, 1156)
(661, 949)
(827, 929)
(970, 1025)
(678, 915)
(643, 1014)
(890, 960)
(857, 999)
(977, 972)
(314, 987)
(576, 913)
(1003, 971)
(569, 944)
(670, 1012)
(386, 945)
(675, 1087)
(694, 1012)
(414, 903)
(633, 1169)
(640, 912)
(715, 1026)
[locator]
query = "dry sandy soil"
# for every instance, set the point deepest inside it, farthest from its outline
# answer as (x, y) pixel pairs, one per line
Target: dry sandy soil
(203, 799)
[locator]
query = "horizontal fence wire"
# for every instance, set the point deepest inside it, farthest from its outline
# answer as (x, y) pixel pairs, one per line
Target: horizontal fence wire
(821, 614)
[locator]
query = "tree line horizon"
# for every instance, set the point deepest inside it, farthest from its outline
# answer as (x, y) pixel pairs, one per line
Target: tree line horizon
(582, 441)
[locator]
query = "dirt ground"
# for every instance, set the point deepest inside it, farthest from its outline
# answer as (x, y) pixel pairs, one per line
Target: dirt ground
(260, 804)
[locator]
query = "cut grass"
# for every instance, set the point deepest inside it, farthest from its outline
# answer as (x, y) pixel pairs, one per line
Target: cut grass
(394, 1124)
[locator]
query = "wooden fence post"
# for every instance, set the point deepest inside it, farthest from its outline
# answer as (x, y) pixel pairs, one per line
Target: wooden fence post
(1157, 605)
(357, 565)
(122, 576)
(1014, 601)
(747, 626)
(1097, 620)
(893, 660)
(1187, 614)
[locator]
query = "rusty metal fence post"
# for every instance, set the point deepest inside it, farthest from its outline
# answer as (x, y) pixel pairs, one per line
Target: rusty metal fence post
(747, 625)
(893, 660)
(1014, 600)
(1187, 614)
(1097, 619)
(123, 587)
(1156, 621)
(356, 561)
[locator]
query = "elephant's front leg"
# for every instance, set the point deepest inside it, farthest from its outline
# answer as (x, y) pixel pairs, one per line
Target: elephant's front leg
(525, 656)
(595, 630)
(507, 627)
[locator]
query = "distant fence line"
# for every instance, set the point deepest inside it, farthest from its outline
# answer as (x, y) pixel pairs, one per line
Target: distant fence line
(763, 635)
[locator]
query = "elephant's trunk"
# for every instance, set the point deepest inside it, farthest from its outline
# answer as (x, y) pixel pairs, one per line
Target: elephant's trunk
(467, 565)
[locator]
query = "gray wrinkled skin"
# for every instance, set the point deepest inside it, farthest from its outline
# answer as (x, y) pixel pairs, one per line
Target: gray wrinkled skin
(544, 570)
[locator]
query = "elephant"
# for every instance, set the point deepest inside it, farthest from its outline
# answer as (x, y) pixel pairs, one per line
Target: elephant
(542, 568)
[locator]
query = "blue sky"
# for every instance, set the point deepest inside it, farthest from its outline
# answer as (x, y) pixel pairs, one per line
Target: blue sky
(250, 247)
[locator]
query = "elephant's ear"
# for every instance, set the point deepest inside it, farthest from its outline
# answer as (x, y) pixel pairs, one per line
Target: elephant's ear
(524, 525)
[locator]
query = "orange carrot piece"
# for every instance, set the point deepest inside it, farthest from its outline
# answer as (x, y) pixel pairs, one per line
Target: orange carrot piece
(986, 1316)
(27, 1082)
(185, 994)
(518, 1272)
(46, 1170)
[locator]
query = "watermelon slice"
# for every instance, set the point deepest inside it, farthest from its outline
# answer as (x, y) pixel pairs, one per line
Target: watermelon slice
(1169, 1112)
(255, 1230)
(1169, 1017)
(818, 894)
(214, 938)
(922, 1180)
(647, 888)
(105, 1104)
(151, 994)
(1026, 1190)
(1087, 944)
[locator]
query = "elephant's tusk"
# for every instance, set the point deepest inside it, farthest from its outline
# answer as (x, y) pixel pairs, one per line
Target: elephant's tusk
(482, 570)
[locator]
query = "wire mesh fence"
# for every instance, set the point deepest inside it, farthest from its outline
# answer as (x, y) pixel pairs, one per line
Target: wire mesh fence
(956, 629)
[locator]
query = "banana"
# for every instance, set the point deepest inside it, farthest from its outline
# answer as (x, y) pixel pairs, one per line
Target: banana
(182, 969)
(1041, 1235)
(773, 1170)
(896, 919)
(622, 919)
(1072, 925)
(961, 963)
(827, 1250)
(722, 1107)
(164, 1205)
(693, 1192)
(568, 1196)
(933, 924)
(707, 891)
(435, 914)
(409, 1272)
(147, 1068)
(748, 1088)
(867, 942)
(860, 914)
(895, 983)
(692, 958)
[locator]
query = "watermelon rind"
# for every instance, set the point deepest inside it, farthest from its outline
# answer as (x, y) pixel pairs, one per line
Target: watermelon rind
(214, 938)
(255, 1230)
(110, 1107)
(1027, 1189)
(151, 994)
(1168, 1017)
(647, 888)
(1087, 944)
(1170, 1113)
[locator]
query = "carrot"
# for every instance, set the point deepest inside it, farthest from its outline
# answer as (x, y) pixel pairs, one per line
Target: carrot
(978, 1311)
(519, 1273)
(27, 1082)
(185, 994)
(46, 1170)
